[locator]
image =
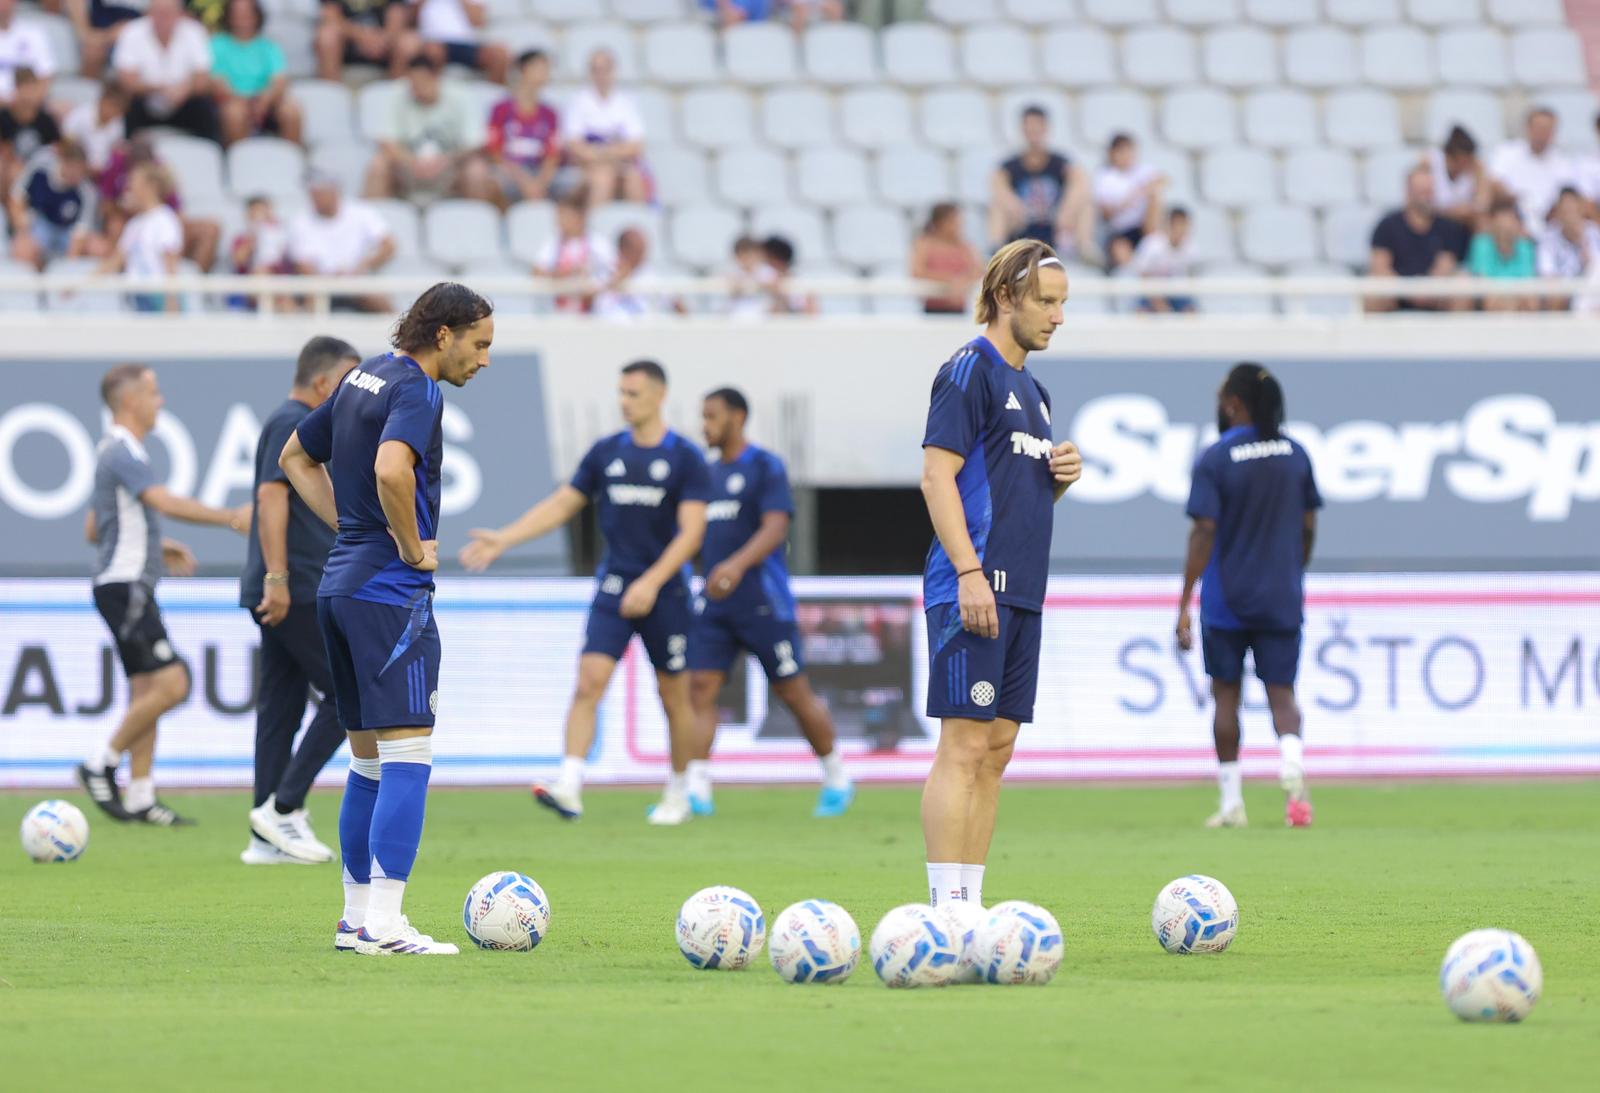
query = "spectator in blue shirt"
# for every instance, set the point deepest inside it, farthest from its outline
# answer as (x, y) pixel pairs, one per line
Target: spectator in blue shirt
(52, 206)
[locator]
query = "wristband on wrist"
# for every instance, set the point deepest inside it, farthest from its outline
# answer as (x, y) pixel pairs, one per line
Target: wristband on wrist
(964, 572)
(276, 578)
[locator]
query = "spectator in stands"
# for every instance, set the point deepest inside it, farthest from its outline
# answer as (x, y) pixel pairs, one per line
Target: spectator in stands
(731, 13)
(262, 247)
(52, 207)
(151, 242)
(25, 127)
(779, 253)
(22, 46)
(1504, 250)
(434, 133)
(1127, 195)
(339, 238)
(575, 253)
(603, 133)
(360, 32)
(1532, 170)
(1460, 184)
(1039, 193)
(941, 253)
(1416, 241)
(250, 79)
(1165, 252)
(749, 280)
(200, 234)
(1570, 245)
(164, 61)
(99, 126)
(629, 292)
(450, 32)
(1588, 172)
(524, 146)
(96, 24)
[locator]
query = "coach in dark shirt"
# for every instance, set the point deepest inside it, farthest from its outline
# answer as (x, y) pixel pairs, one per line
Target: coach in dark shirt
(288, 548)
(1416, 241)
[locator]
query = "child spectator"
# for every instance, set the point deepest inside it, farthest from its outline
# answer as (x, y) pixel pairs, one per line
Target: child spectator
(779, 253)
(1504, 250)
(25, 127)
(629, 293)
(750, 279)
(100, 126)
(52, 207)
(524, 149)
(575, 253)
(262, 247)
(1461, 186)
(200, 234)
(151, 241)
(1570, 245)
(1166, 253)
(1128, 195)
(251, 84)
(941, 253)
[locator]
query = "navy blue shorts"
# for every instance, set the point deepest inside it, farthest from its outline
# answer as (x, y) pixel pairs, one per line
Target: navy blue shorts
(983, 678)
(664, 631)
(384, 660)
(1277, 653)
(715, 640)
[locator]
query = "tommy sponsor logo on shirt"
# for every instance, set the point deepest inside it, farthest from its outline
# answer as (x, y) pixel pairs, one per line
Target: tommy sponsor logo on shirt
(723, 510)
(1260, 449)
(1026, 444)
(366, 381)
(620, 493)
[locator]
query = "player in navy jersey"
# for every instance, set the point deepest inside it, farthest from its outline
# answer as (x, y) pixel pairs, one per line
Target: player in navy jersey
(649, 485)
(747, 604)
(367, 462)
(990, 476)
(1254, 501)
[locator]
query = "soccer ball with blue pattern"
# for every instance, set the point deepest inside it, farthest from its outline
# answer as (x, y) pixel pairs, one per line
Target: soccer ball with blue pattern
(722, 928)
(814, 941)
(1195, 914)
(963, 920)
(1018, 943)
(506, 911)
(54, 831)
(1491, 975)
(913, 947)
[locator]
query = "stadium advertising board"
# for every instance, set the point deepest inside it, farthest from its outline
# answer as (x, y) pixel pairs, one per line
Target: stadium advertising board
(1400, 675)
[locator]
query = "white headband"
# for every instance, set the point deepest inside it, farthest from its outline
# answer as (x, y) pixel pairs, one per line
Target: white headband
(1043, 262)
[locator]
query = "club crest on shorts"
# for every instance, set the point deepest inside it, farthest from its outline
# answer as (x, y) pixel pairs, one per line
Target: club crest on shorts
(659, 469)
(433, 702)
(982, 693)
(162, 649)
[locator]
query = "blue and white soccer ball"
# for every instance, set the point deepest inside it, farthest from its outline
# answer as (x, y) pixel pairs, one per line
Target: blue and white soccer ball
(1195, 914)
(814, 941)
(54, 831)
(913, 947)
(506, 911)
(1018, 943)
(963, 920)
(1491, 975)
(721, 927)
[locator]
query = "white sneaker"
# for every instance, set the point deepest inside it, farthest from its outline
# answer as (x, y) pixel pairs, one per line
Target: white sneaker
(289, 832)
(261, 852)
(1293, 781)
(564, 801)
(405, 940)
(1233, 817)
(670, 812)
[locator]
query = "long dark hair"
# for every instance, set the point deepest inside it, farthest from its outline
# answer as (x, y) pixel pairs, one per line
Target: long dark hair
(1261, 394)
(445, 304)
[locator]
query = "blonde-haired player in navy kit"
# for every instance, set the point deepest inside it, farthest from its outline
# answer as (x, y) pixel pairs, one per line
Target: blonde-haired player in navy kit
(990, 476)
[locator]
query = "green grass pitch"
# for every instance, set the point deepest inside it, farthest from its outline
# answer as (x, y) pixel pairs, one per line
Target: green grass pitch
(158, 962)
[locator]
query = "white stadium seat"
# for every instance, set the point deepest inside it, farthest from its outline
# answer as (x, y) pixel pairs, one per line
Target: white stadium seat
(680, 174)
(1102, 113)
(1159, 57)
(1320, 56)
(1347, 234)
(1278, 235)
(195, 163)
(656, 112)
(702, 236)
(998, 56)
(375, 108)
(1548, 57)
(1204, 13)
(868, 235)
(913, 176)
(1515, 13)
(561, 11)
(1213, 234)
(797, 117)
(295, 39)
(266, 165)
(529, 226)
(1041, 13)
(17, 299)
(1241, 57)
(1178, 166)
(716, 117)
(1363, 12)
(953, 118)
(975, 167)
(961, 12)
(1473, 57)
(1082, 303)
(1231, 304)
(1480, 113)
(680, 53)
(610, 220)
(582, 39)
(74, 90)
(831, 176)
(1281, 118)
(752, 176)
(1319, 176)
(918, 54)
(1121, 13)
(1398, 57)
(760, 54)
(1384, 175)
(457, 232)
(840, 54)
(521, 36)
(1079, 56)
(1199, 117)
(329, 111)
(1443, 13)
(1238, 177)
(875, 117)
(405, 225)
(1282, 13)
(650, 11)
(1361, 118)
(800, 225)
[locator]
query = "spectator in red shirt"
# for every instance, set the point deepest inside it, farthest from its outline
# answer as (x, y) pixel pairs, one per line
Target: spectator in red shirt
(524, 145)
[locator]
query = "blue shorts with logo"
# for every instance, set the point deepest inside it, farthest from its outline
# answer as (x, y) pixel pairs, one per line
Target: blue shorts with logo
(983, 678)
(716, 639)
(664, 631)
(1277, 653)
(384, 659)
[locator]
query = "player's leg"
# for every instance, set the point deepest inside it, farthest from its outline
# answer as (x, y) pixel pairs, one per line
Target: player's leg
(1277, 656)
(300, 637)
(280, 703)
(163, 689)
(361, 784)
(564, 796)
(1224, 651)
(712, 647)
(665, 634)
(776, 643)
(123, 607)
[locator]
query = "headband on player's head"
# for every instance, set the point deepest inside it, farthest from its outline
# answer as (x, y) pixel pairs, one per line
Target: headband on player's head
(1043, 262)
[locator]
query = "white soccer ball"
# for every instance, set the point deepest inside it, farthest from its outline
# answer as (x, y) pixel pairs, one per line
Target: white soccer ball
(54, 831)
(1491, 975)
(1017, 943)
(814, 941)
(721, 928)
(506, 911)
(963, 920)
(1195, 914)
(912, 947)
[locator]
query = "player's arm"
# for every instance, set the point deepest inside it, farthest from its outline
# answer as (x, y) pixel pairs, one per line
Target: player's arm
(976, 600)
(395, 471)
(1308, 535)
(1202, 537)
(726, 574)
(191, 511)
(310, 480)
(272, 531)
(640, 596)
(489, 543)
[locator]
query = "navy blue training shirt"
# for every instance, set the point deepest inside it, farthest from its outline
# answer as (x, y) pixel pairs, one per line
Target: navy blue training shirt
(1258, 491)
(743, 490)
(636, 492)
(998, 418)
(308, 539)
(388, 398)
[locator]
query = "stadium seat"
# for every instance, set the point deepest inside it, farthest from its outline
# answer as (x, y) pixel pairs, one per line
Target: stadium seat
(1213, 234)
(752, 176)
(918, 54)
(1398, 57)
(1319, 176)
(956, 117)
(529, 226)
(1473, 57)
(1159, 57)
(58, 31)
(1238, 177)
(1334, 306)
(1199, 117)
(840, 54)
(1241, 57)
(702, 236)
(405, 224)
(975, 166)
(1102, 113)
(329, 111)
(998, 56)
(800, 225)
(427, 269)
(831, 176)
(649, 11)
(457, 232)
(582, 39)
(1516, 13)
(1576, 110)
(1481, 113)
(1281, 118)
(913, 176)
(1363, 12)
(1079, 56)
(1361, 118)
(1384, 175)
(375, 109)
(680, 53)
(195, 163)
(902, 305)
(1548, 57)
(346, 162)
(1121, 13)
(680, 174)
(295, 39)
(868, 235)
(961, 12)
(797, 117)
(1282, 13)
(716, 117)
(1178, 166)
(760, 54)
(266, 165)
(1319, 56)
(655, 111)
(1234, 305)
(74, 90)
(1041, 13)
(81, 301)
(521, 36)
(1347, 234)
(875, 117)
(1204, 13)
(610, 220)
(1443, 13)
(1054, 105)
(835, 304)
(1278, 235)
(561, 11)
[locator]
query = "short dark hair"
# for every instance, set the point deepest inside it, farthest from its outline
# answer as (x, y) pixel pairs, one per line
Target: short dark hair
(528, 56)
(69, 150)
(447, 304)
(422, 60)
(1460, 143)
(1505, 205)
(1119, 140)
(1178, 211)
(779, 249)
(1537, 109)
(257, 199)
(118, 377)
(321, 354)
(646, 367)
(1564, 193)
(111, 88)
(733, 398)
(1034, 110)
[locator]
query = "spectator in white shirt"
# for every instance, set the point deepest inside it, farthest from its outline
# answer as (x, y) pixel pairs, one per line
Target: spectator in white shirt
(575, 253)
(433, 132)
(152, 240)
(1461, 187)
(164, 61)
(1168, 253)
(1128, 196)
(629, 293)
(604, 135)
(1588, 172)
(22, 45)
(451, 32)
(1569, 246)
(338, 238)
(99, 126)
(1532, 171)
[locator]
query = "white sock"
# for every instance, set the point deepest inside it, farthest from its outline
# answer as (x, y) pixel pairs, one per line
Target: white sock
(677, 785)
(571, 776)
(1231, 781)
(141, 794)
(833, 775)
(700, 778)
(972, 884)
(1292, 753)
(104, 758)
(383, 905)
(367, 768)
(944, 883)
(355, 902)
